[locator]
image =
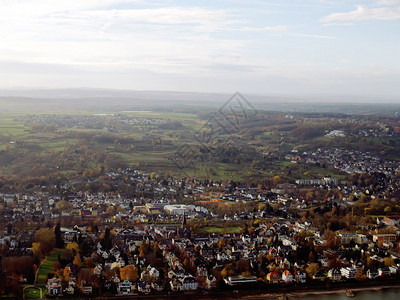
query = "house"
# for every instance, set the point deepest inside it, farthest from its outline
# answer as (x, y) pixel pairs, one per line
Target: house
(384, 272)
(189, 283)
(87, 289)
(358, 265)
(319, 276)
(124, 287)
(372, 274)
(222, 257)
(211, 282)
(54, 287)
(171, 274)
(157, 285)
(145, 275)
(346, 238)
(274, 277)
(394, 270)
(144, 287)
(70, 290)
(335, 274)
(154, 274)
(202, 271)
(301, 277)
(348, 272)
(388, 237)
(176, 285)
(287, 277)
(238, 280)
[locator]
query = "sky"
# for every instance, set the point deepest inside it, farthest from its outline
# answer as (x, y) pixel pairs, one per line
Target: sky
(286, 47)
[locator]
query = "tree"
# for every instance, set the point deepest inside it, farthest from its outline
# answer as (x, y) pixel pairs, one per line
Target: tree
(58, 236)
(312, 269)
(73, 247)
(360, 276)
(156, 247)
(224, 273)
(89, 262)
(129, 272)
(243, 265)
(311, 257)
(46, 238)
(388, 261)
(63, 205)
(276, 180)
(66, 273)
(106, 241)
(388, 210)
(186, 263)
(36, 248)
(77, 260)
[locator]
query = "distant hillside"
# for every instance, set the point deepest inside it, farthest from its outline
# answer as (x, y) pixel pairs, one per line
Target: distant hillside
(86, 99)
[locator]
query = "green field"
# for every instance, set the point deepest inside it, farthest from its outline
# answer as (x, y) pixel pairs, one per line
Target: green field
(50, 150)
(234, 229)
(47, 266)
(33, 292)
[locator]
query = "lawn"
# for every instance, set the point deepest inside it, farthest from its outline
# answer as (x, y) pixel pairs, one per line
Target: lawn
(285, 163)
(233, 229)
(33, 292)
(47, 266)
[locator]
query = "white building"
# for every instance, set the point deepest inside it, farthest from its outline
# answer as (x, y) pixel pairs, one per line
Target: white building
(348, 272)
(178, 209)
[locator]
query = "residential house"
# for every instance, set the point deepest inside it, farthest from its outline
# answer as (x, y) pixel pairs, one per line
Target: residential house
(335, 274)
(385, 237)
(176, 285)
(239, 280)
(189, 283)
(348, 272)
(287, 277)
(372, 274)
(69, 290)
(157, 285)
(54, 287)
(274, 277)
(211, 282)
(124, 287)
(394, 270)
(144, 287)
(301, 277)
(384, 272)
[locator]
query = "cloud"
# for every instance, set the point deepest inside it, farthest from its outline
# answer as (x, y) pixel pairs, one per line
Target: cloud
(362, 13)
(278, 28)
(389, 2)
(338, 24)
(164, 15)
(316, 36)
(34, 8)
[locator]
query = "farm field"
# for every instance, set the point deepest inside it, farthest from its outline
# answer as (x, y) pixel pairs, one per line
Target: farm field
(61, 145)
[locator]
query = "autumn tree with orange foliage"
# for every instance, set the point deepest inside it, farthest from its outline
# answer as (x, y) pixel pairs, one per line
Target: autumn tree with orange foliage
(130, 273)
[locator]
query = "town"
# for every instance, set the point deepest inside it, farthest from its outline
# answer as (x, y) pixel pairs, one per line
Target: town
(200, 236)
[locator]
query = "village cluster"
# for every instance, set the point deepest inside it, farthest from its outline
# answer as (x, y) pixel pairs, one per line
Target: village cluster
(155, 243)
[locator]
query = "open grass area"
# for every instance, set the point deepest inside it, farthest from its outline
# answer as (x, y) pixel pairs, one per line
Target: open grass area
(161, 115)
(285, 163)
(47, 266)
(34, 292)
(10, 127)
(233, 229)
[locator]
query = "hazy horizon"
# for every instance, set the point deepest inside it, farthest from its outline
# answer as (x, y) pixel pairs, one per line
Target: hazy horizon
(299, 47)
(187, 96)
